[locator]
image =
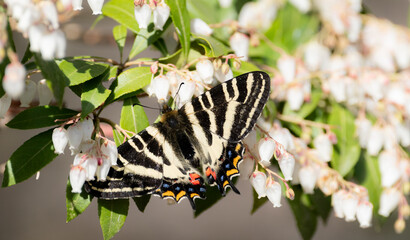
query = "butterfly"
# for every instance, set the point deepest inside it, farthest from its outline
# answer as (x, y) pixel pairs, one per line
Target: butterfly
(199, 143)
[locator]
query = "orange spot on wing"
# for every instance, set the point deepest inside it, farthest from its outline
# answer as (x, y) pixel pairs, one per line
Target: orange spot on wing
(194, 178)
(209, 172)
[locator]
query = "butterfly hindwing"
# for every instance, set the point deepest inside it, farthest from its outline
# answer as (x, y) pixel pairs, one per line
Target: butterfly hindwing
(201, 140)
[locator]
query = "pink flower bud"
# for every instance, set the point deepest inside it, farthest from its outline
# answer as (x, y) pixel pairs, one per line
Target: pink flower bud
(389, 200)
(5, 102)
(109, 149)
(307, 178)
(287, 164)
(161, 14)
(266, 148)
(205, 69)
(96, 6)
(28, 94)
(77, 178)
(60, 139)
(274, 193)
(287, 67)
(350, 203)
(75, 136)
(324, 146)
(364, 214)
(143, 15)
(77, 5)
(44, 93)
(240, 45)
(13, 81)
(199, 27)
(258, 181)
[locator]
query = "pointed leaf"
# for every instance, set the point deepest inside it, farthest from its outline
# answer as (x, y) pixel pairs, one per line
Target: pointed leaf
(76, 203)
(29, 158)
(79, 71)
(142, 202)
(120, 35)
(122, 11)
(40, 116)
(133, 117)
(181, 20)
(112, 214)
(130, 81)
(216, 46)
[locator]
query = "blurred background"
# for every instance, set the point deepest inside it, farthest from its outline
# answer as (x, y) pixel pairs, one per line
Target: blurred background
(35, 209)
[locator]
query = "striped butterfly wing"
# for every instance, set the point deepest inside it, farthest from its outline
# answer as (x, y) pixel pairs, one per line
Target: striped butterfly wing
(202, 139)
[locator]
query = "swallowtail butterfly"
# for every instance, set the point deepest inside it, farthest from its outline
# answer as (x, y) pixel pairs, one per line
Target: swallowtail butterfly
(201, 140)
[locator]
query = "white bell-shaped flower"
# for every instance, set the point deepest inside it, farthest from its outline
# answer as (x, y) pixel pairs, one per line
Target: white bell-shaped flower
(77, 5)
(302, 5)
(287, 164)
(160, 87)
(337, 87)
(60, 139)
(161, 15)
(266, 148)
(240, 45)
(49, 11)
(282, 136)
(186, 91)
(28, 94)
(199, 27)
(143, 15)
(77, 178)
(363, 126)
(13, 81)
(376, 140)
(48, 46)
(5, 102)
(96, 6)
(274, 193)
(389, 168)
(109, 149)
(103, 169)
(61, 44)
(35, 34)
(389, 200)
(316, 55)
(364, 214)
(205, 69)
(91, 166)
(307, 178)
(324, 146)
(295, 97)
(221, 76)
(44, 93)
(258, 181)
(337, 203)
(390, 137)
(75, 136)
(287, 67)
(87, 128)
(350, 203)
(30, 15)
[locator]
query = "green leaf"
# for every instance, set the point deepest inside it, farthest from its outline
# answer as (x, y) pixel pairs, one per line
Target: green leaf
(142, 202)
(76, 203)
(321, 203)
(307, 108)
(56, 79)
(347, 150)
(38, 117)
(306, 218)
(120, 35)
(196, 10)
(133, 117)
(161, 46)
(94, 94)
(112, 214)
(257, 202)
(130, 81)
(79, 71)
(27, 55)
(29, 158)
(122, 11)
(180, 18)
(118, 137)
(217, 47)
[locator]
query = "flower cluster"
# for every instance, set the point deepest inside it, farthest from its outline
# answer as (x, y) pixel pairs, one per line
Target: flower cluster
(158, 9)
(93, 157)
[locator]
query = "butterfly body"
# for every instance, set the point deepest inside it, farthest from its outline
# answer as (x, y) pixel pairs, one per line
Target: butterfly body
(196, 144)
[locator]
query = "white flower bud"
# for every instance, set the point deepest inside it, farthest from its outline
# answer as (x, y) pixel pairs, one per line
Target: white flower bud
(363, 126)
(274, 193)
(337, 86)
(143, 15)
(390, 138)
(186, 91)
(77, 178)
(199, 27)
(109, 149)
(376, 139)
(324, 146)
(103, 169)
(160, 87)
(13, 81)
(282, 136)
(30, 15)
(49, 11)
(205, 69)
(87, 128)
(5, 102)
(266, 148)
(28, 94)
(91, 166)
(287, 164)
(307, 177)
(258, 181)
(350, 203)
(161, 14)
(389, 168)
(77, 5)
(75, 136)
(240, 45)
(295, 97)
(48, 46)
(96, 6)
(389, 200)
(364, 214)
(221, 76)
(337, 203)
(316, 55)
(60, 139)
(44, 93)
(287, 67)
(35, 33)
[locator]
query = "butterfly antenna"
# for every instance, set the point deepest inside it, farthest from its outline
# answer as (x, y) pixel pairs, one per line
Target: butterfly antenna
(176, 94)
(139, 104)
